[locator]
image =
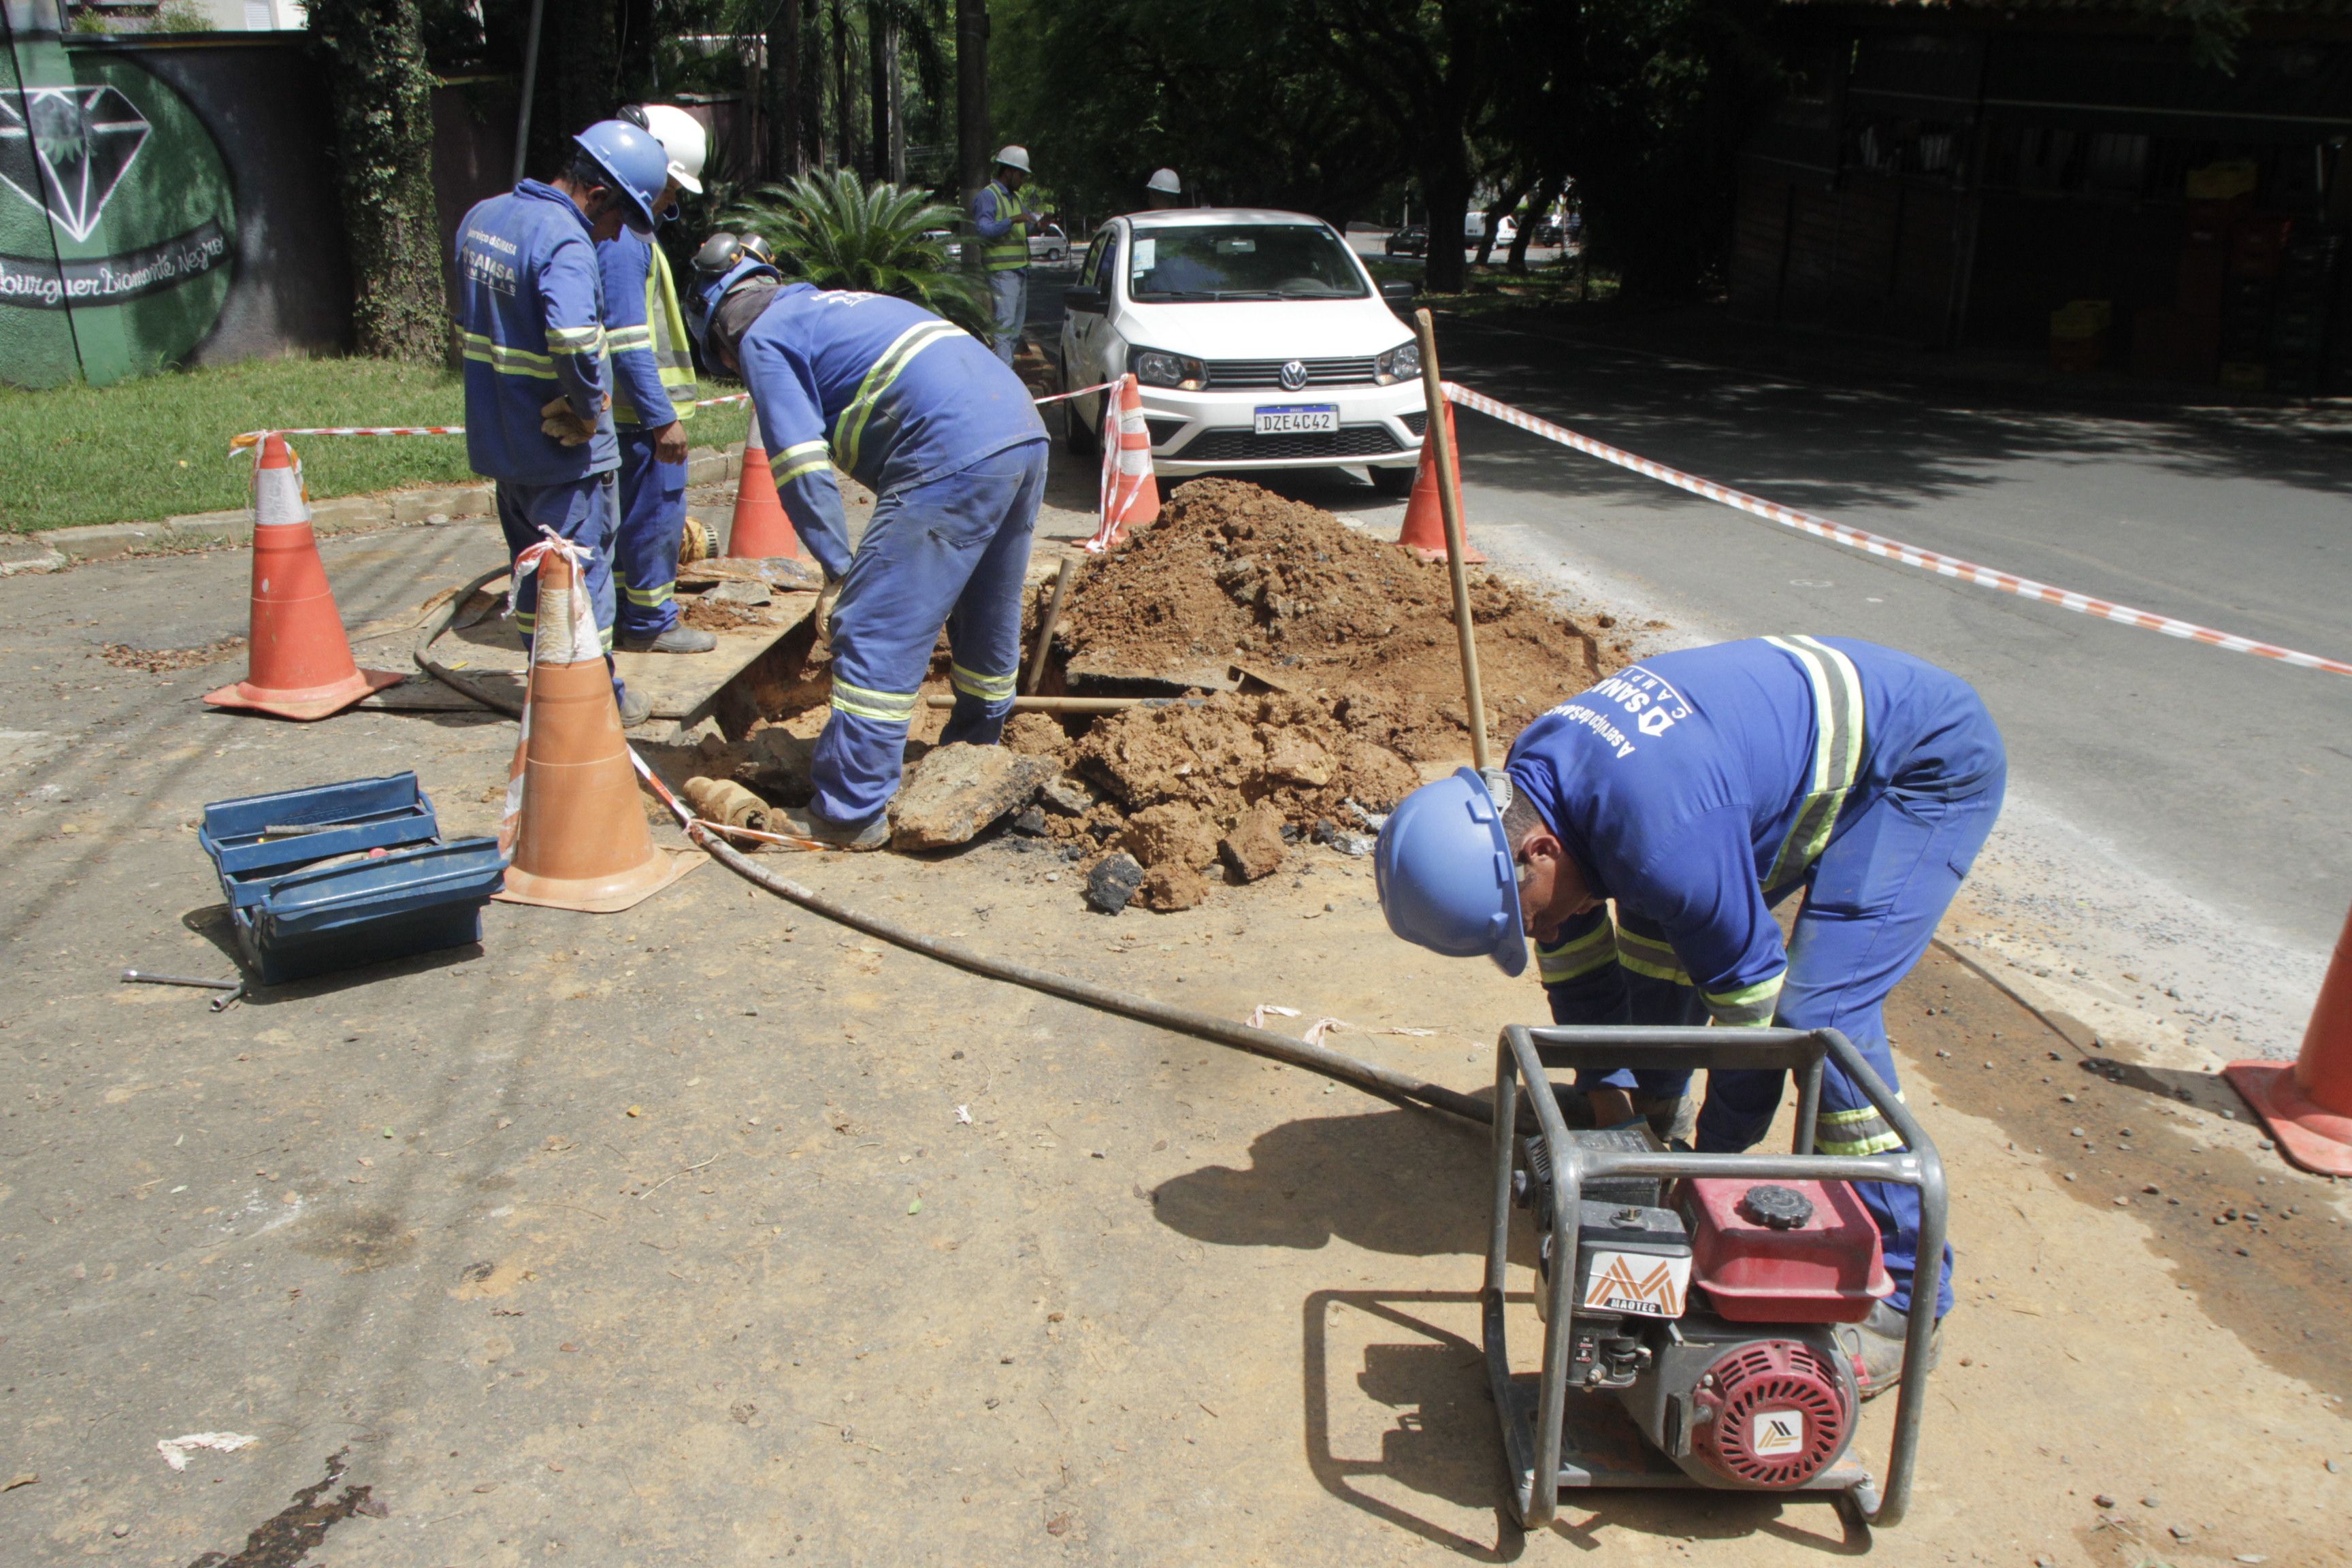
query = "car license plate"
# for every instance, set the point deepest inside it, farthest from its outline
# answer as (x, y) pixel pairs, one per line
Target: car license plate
(1293, 420)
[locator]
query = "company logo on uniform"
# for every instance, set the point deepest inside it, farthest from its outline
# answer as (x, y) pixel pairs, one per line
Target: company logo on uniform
(1294, 375)
(66, 149)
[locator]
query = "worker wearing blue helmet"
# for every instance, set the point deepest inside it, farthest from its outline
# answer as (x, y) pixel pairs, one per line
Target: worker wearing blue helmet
(530, 316)
(1641, 832)
(949, 440)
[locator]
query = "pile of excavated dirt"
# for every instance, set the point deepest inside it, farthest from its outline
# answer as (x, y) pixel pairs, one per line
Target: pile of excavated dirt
(1232, 571)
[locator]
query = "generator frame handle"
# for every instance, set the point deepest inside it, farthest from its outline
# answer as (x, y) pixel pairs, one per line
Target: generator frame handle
(1521, 1060)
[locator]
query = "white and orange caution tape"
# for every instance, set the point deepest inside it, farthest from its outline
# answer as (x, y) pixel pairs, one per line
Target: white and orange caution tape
(1130, 491)
(1320, 1027)
(564, 631)
(1878, 544)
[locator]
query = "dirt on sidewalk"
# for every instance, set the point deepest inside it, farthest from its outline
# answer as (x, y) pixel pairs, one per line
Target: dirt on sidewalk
(713, 1232)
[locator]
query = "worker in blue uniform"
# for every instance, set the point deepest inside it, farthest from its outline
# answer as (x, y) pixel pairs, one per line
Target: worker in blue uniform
(949, 442)
(1695, 791)
(531, 312)
(652, 393)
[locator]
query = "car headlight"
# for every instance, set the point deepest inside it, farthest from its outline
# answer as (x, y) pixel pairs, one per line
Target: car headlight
(1156, 367)
(1401, 363)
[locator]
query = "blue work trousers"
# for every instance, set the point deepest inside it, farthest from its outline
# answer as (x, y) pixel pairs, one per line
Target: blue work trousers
(645, 551)
(951, 552)
(1008, 292)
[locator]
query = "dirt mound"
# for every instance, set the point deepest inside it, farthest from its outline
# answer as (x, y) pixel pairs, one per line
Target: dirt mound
(1234, 573)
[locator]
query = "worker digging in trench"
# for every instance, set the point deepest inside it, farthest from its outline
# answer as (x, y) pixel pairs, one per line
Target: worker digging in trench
(949, 442)
(1695, 791)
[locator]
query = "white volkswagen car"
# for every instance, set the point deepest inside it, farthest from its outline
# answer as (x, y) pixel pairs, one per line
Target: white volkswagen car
(1259, 342)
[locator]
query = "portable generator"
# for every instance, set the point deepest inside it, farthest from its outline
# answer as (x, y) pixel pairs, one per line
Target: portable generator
(1690, 1301)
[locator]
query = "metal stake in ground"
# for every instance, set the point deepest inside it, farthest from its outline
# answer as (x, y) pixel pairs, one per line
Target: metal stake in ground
(1449, 500)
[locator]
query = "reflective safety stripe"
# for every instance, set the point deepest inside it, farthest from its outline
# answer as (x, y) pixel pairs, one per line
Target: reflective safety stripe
(507, 361)
(882, 706)
(621, 339)
(653, 597)
(987, 688)
(1651, 956)
(1578, 955)
(851, 424)
(802, 458)
(1837, 753)
(526, 623)
(1749, 1007)
(1863, 1131)
(575, 339)
(1012, 250)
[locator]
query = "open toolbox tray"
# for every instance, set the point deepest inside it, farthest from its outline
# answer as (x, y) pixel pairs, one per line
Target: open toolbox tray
(374, 883)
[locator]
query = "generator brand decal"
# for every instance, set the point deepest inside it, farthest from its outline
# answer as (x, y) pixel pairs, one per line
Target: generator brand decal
(1637, 1283)
(118, 227)
(1777, 1434)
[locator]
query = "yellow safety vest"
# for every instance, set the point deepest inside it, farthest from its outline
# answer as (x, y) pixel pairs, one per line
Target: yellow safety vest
(673, 355)
(1011, 251)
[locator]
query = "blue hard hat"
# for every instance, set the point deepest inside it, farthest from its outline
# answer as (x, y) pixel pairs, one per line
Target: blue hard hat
(633, 160)
(1446, 875)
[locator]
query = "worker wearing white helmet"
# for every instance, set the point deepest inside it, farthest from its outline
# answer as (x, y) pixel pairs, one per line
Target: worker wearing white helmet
(1164, 190)
(1003, 226)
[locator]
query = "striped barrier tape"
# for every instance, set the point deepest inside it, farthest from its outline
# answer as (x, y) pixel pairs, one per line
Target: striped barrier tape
(1888, 549)
(252, 439)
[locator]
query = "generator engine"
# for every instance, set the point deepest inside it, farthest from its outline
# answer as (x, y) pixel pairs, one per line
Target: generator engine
(1705, 1307)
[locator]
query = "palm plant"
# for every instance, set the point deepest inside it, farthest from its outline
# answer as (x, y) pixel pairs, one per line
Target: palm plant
(838, 232)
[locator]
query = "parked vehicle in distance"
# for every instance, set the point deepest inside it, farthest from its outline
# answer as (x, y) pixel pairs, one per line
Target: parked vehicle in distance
(1548, 232)
(1049, 244)
(1411, 240)
(1258, 341)
(948, 240)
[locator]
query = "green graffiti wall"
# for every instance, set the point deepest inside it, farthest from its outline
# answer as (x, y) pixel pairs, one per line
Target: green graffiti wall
(117, 218)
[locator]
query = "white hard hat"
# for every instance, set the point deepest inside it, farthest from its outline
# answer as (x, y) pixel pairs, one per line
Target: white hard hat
(1011, 157)
(684, 139)
(1165, 180)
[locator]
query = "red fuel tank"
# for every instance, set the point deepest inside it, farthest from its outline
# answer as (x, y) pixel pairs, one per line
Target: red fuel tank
(1783, 1252)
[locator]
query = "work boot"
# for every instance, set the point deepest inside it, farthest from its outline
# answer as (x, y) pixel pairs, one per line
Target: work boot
(636, 706)
(1875, 1346)
(679, 638)
(804, 822)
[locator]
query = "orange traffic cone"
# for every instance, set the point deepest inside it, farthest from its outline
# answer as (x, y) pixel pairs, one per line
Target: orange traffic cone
(1424, 514)
(298, 660)
(760, 529)
(573, 825)
(1130, 490)
(2308, 1106)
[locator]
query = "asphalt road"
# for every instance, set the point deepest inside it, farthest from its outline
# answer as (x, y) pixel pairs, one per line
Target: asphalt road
(2201, 798)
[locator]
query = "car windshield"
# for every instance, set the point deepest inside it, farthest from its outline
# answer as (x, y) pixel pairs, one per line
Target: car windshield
(1241, 261)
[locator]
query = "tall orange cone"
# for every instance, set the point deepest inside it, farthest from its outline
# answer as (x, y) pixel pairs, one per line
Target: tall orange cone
(573, 826)
(1130, 489)
(1424, 514)
(2308, 1106)
(760, 529)
(298, 660)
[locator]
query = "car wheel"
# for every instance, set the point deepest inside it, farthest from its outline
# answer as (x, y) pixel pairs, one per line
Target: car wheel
(1393, 482)
(1077, 439)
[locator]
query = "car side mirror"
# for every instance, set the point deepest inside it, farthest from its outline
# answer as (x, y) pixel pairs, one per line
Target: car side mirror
(1089, 302)
(1396, 292)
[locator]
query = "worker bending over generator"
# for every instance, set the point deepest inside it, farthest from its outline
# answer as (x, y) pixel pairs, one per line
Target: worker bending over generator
(949, 442)
(1695, 791)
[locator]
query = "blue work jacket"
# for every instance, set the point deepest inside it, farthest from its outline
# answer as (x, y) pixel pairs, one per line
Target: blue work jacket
(531, 314)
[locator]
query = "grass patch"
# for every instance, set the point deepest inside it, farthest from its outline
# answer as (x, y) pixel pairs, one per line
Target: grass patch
(158, 446)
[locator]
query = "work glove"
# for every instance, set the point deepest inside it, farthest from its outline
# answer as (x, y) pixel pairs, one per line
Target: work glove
(559, 419)
(826, 598)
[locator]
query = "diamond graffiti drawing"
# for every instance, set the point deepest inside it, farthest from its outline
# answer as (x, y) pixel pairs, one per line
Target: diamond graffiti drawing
(66, 149)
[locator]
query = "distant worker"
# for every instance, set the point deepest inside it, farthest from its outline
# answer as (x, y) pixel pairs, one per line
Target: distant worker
(1003, 228)
(949, 443)
(1164, 190)
(531, 312)
(1697, 790)
(653, 389)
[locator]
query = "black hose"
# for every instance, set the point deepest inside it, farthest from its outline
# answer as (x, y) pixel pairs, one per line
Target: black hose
(1398, 1089)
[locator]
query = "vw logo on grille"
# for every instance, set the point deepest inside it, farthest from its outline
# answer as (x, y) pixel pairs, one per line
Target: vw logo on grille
(1294, 375)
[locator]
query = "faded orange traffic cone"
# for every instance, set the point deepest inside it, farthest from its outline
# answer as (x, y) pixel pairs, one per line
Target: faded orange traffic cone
(298, 660)
(575, 827)
(1424, 514)
(2307, 1105)
(760, 529)
(1130, 489)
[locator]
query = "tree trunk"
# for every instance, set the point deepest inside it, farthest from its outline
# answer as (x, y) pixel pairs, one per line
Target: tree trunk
(1547, 193)
(780, 91)
(1446, 187)
(881, 37)
(382, 96)
(812, 76)
(844, 103)
(973, 150)
(1503, 205)
(897, 153)
(636, 78)
(577, 69)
